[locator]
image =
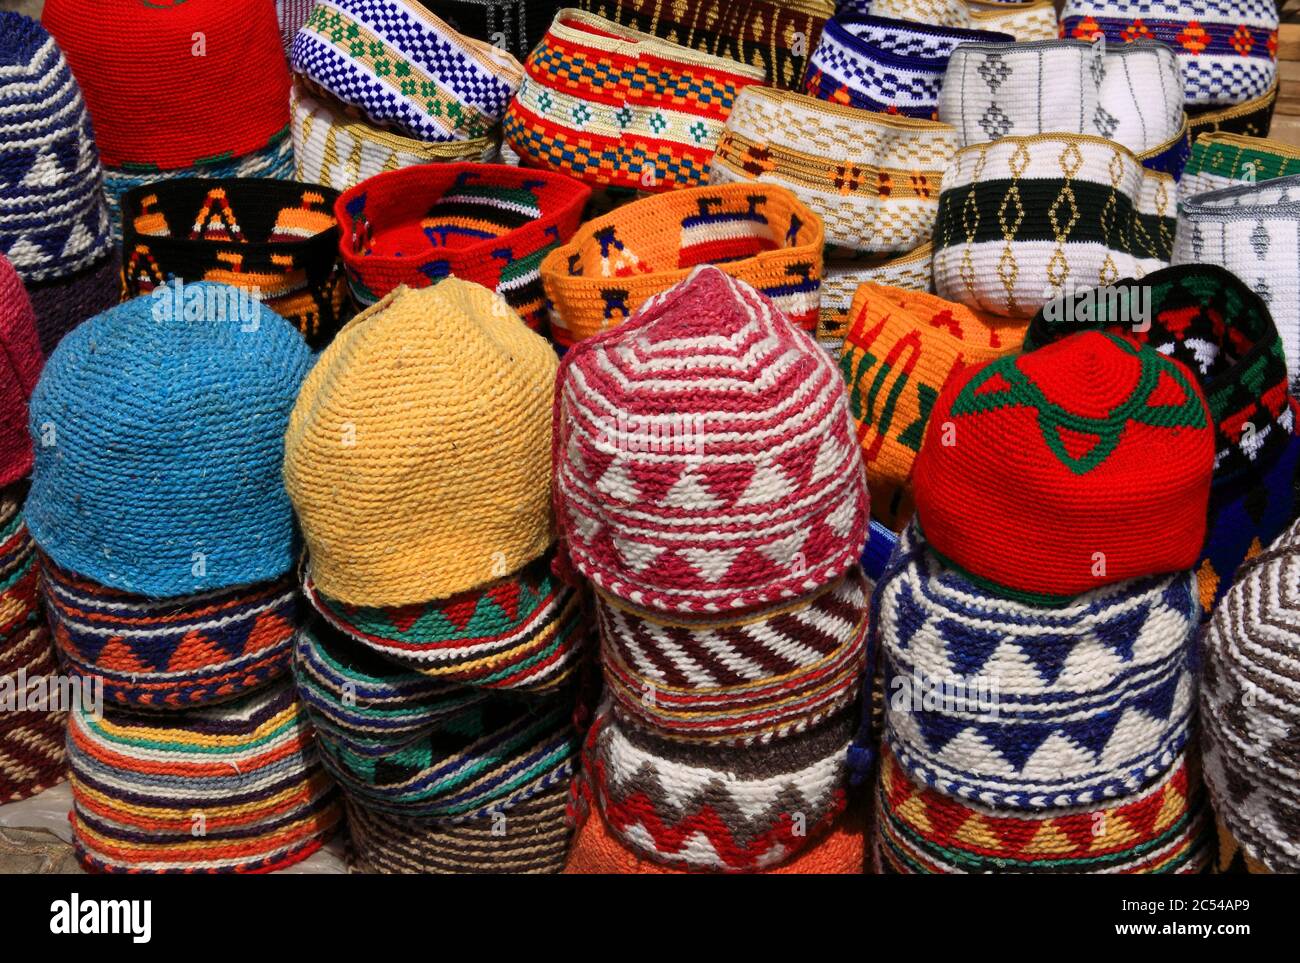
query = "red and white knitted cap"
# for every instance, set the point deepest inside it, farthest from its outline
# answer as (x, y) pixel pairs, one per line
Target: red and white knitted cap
(704, 456)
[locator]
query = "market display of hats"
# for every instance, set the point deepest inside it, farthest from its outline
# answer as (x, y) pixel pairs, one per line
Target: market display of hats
(1225, 160)
(1025, 20)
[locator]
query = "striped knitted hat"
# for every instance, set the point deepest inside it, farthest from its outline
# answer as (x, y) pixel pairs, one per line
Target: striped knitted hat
(900, 350)
(1227, 48)
(171, 653)
(750, 492)
(53, 220)
(759, 233)
(1040, 708)
(159, 431)
(1023, 220)
(19, 370)
(1066, 468)
(842, 277)
(1225, 160)
(405, 68)
(872, 179)
(1023, 19)
(417, 453)
(516, 25)
(610, 105)
(485, 223)
(231, 788)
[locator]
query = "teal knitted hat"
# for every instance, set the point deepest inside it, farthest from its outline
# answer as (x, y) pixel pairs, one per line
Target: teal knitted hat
(158, 428)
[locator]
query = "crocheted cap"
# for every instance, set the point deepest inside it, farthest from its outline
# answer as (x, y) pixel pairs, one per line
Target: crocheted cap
(749, 490)
(53, 216)
(20, 366)
(158, 427)
(1049, 474)
(416, 456)
(176, 84)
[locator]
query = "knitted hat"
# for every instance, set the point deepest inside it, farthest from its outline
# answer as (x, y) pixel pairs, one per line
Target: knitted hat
(332, 147)
(1171, 156)
(1232, 858)
(171, 653)
(62, 304)
(1225, 160)
(158, 428)
(532, 838)
(277, 239)
(759, 233)
(1131, 94)
(841, 278)
(775, 672)
(872, 179)
(416, 456)
(53, 221)
(176, 85)
(1252, 230)
(1022, 19)
(611, 105)
(485, 223)
(751, 490)
(900, 350)
(1082, 463)
(292, 14)
(522, 632)
(235, 787)
(1228, 48)
(405, 68)
(1162, 829)
(1026, 219)
(516, 25)
(1249, 700)
(21, 366)
(1092, 701)
(891, 66)
(1252, 118)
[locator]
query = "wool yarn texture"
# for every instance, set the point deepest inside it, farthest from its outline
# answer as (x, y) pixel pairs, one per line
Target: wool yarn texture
(713, 809)
(1248, 706)
(159, 429)
(1253, 230)
(614, 106)
(417, 454)
(291, 15)
(172, 653)
(1232, 858)
(21, 361)
(1228, 48)
(1024, 20)
(524, 632)
(871, 178)
(53, 217)
(1162, 829)
(750, 492)
(276, 239)
(63, 303)
(155, 112)
(1093, 699)
(842, 276)
(613, 265)
(334, 148)
(486, 223)
(518, 25)
(887, 66)
(1052, 473)
(900, 350)
(1131, 94)
(737, 680)
(773, 35)
(247, 772)
(405, 68)
(1251, 118)
(1226, 160)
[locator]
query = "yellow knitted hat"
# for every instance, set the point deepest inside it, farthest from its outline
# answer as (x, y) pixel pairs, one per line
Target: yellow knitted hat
(418, 455)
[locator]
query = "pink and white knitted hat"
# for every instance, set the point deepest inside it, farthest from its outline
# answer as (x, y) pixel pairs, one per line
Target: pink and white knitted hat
(20, 367)
(704, 456)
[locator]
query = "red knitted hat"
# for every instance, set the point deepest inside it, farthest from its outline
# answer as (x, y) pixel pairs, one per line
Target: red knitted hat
(175, 83)
(1048, 474)
(704, 457)
(20, 366)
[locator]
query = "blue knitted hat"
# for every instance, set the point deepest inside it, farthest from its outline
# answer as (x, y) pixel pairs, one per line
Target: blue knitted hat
(159, 430)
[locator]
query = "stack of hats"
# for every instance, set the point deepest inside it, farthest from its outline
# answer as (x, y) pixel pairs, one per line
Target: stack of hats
(168, 545)
(759, 233)
(54, 224)
(1249, 699)
(442, 664)
(222, 110)
(708, 486)
(31, 730)
(276, 239)
(486, 223)
(1039, 617)
(1223, 160)
(1222, 332)
(1025, 20)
